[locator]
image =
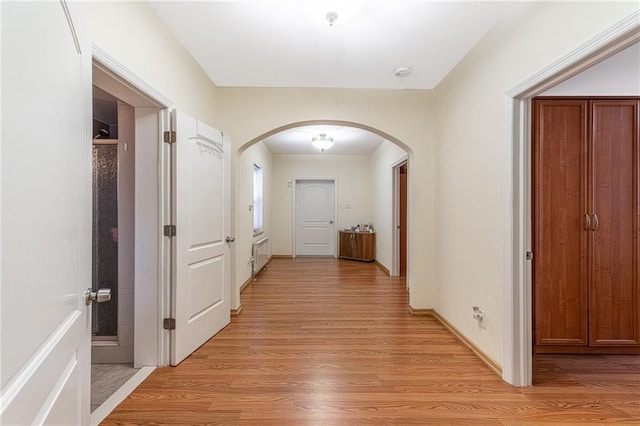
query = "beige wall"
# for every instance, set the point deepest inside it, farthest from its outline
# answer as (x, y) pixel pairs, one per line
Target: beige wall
(406, 115)
(353, 186)
(472, 157)
(259, 155)
(616, 76)
(134, 35)
(382, 161)
(458, 211)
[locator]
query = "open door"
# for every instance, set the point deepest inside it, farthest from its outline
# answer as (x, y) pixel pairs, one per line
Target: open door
(46, 218)
(201, 213)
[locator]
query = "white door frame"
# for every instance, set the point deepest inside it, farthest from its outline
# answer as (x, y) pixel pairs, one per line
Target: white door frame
(152, 277)
(395, 221)
(517, 305)
(294, 212)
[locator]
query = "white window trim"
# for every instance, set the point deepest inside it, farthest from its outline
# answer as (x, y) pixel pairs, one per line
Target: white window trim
(258, 204)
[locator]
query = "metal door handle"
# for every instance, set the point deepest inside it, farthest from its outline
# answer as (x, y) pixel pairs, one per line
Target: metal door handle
(330, 222)
(595, 222)
(587, 222)
(100, 296)
(230, 239)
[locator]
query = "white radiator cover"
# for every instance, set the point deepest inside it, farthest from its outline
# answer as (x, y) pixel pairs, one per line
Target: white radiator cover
(260, 255)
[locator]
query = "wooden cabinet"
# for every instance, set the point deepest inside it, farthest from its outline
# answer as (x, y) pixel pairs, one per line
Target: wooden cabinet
(358, 246)
(586, 225)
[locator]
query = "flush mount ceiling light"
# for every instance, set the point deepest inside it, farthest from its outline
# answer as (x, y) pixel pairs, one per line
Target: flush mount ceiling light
(402, 72)
(335, 12)
(322, 142)
(332, 17)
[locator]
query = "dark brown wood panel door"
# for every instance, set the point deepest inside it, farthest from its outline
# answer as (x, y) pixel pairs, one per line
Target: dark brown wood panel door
(560, 237)
(403, 220)
(613, 304)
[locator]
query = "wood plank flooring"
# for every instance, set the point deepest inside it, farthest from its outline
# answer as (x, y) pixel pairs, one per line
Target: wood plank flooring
(330, 342)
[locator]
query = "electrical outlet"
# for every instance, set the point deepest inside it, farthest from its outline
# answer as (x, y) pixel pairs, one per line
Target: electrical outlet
(478, 315)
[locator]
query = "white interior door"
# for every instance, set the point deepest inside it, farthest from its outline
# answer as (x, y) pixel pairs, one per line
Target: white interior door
(315, 218)
(46, 219)
(201, 287)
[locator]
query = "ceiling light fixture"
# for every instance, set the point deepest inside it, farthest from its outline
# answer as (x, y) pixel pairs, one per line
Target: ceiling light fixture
(322, 142)
(401, 72)
(332, 17)
(323, 11)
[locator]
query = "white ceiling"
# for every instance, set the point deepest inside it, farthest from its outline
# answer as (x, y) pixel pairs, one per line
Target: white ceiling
(348, 140)
(288, 43)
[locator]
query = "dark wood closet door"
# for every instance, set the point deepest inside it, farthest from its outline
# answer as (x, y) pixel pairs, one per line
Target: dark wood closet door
(560, 239)
(613, 304)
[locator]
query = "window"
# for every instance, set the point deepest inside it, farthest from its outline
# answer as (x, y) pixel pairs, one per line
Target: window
(257, 200)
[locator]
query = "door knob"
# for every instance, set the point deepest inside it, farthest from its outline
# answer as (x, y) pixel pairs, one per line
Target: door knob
(230, 239)
(330, 222)
(100, 296)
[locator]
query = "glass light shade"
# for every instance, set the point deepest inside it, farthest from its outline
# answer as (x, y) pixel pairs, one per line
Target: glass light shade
(322, 142)
(322, 145)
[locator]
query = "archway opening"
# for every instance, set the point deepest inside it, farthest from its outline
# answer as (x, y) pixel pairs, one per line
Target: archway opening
(362, 164)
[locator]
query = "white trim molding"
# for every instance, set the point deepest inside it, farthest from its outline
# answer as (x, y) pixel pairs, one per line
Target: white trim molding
(517, 296)
(128, 77)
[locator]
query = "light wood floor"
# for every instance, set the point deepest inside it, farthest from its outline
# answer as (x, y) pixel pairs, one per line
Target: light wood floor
(324, 341)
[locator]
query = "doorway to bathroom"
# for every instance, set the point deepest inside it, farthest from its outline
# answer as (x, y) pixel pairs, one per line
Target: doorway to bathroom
(113, 212)
(130, 255)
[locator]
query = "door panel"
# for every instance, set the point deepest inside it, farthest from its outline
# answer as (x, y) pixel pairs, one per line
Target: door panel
(201, 286)
(403, 220)
(560, 240)
(46, 219)
(614, 318)
(315, 224)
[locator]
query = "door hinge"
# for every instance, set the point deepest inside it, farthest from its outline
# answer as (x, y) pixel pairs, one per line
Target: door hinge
(169, 230)
(529, 255)
(169, 324)
(170, 136)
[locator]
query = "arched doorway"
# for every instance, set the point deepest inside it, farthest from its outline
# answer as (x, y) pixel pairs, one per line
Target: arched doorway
(365, 182)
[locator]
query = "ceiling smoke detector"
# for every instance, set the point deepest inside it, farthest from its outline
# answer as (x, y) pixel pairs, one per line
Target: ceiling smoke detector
(332, 17)
(401, 72)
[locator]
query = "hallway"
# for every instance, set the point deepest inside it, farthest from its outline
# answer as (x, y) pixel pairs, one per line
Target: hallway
(326, 341)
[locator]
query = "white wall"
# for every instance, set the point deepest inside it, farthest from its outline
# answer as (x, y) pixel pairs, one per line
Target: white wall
(353, 174)
(259, 155)
(472, 196)
(617, 75)
(404, 115)
(382, 161)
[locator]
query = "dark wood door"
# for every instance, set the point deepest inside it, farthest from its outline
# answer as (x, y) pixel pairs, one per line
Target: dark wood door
(586, 227)
(403, 220)
(560, 203)
(613, 302)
